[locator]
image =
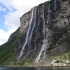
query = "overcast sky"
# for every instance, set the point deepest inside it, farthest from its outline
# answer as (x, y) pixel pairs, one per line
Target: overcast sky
(10, 12)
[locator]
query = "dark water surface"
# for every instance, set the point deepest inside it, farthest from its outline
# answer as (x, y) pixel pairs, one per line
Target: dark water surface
(34, 68)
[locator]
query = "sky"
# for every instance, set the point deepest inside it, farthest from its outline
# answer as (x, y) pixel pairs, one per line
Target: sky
(10, 12)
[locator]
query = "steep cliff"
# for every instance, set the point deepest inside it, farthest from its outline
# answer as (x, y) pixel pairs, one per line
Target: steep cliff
(44, 33)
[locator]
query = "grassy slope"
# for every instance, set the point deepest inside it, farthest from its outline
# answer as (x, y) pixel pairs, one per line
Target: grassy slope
(8, 50)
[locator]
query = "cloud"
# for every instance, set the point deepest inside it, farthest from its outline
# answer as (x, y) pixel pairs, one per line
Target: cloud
(12, 19)
(1, 42)
(2, 9)
(5, 35)
(16, 9)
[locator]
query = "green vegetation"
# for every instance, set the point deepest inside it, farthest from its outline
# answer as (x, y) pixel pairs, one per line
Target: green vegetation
(47, 2)
(21, 63)
(8, 50)
(63, 57)
(18, 63)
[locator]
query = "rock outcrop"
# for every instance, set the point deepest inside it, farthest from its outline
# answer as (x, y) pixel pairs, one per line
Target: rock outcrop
(45, 31)
(14, 35)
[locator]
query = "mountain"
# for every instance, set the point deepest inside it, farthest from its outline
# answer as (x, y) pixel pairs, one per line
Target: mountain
(44, 35)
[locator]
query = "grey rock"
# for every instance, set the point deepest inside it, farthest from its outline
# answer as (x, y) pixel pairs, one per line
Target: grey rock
(49, 23)
(14, 35)
(67, 61)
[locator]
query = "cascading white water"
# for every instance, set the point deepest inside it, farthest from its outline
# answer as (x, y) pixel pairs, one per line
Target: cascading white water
(49, 16)
(45, 30)
(31, 32)
(38, 16)
(45, 41)
(27, 54)
(27, 35)
(43, 49)
(33, 26)
(43, 23)
(55, 7)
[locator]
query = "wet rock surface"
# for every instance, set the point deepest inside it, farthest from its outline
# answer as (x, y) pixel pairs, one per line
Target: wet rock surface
(46, 31)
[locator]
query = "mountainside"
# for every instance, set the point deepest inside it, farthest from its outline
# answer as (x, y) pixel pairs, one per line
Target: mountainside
(44, 35)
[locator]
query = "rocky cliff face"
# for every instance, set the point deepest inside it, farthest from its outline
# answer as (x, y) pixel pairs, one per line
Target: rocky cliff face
(45, 31)
(14, 35)
(46, 28)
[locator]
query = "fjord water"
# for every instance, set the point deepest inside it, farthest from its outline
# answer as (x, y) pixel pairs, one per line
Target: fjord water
(34, 68)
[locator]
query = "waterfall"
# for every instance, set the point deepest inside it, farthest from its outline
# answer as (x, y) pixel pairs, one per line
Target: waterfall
(49, 15)
(45, 41)
(44, 23)
(45, 44)
(32, 27)
(43, 49)
(37, 25)
(55, 7)
(27, 35)
(38, 19)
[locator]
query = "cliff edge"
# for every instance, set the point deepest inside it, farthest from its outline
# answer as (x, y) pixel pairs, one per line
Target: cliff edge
(44, 35)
